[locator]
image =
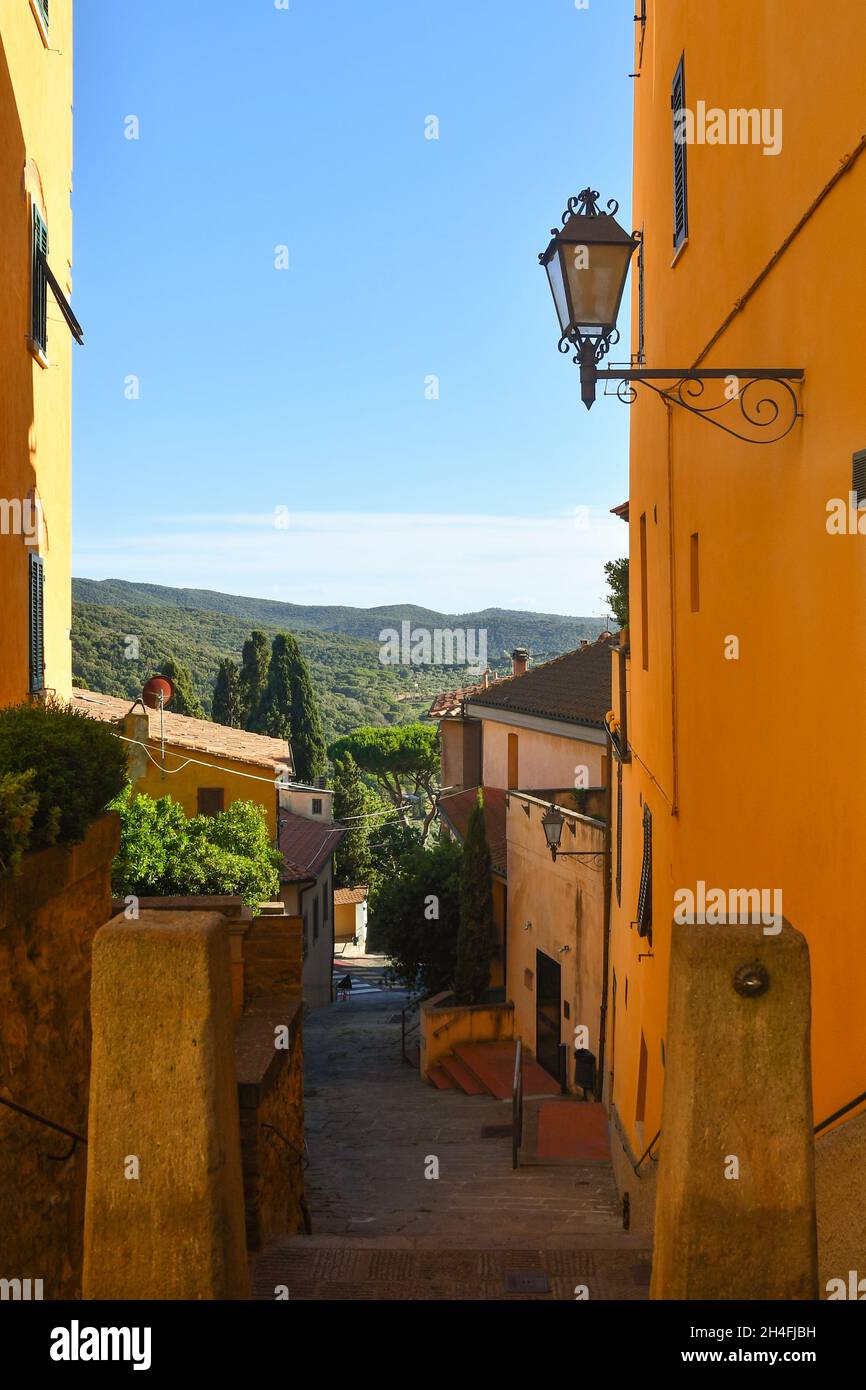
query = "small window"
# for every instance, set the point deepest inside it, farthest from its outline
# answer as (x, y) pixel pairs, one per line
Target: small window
(43, 9)
(681, 199)
(36, 623)
(315, 920)
(513, 760)
(645, 896)
(39, 284)
(40, 14)
(211, 801)
(858, 477)
(326, 901)
(643, 1067)
(317, 806)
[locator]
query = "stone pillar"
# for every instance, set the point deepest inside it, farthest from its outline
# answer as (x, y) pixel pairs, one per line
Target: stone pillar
(164, 1215)
(735, 1213)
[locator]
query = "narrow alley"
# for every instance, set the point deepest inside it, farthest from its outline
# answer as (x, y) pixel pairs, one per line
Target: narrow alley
(384, 1230)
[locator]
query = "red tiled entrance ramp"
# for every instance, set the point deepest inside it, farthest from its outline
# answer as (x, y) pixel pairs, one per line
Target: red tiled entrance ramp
(462, 1076)
(492, 1064)
(571, 1129)
(441, 1080)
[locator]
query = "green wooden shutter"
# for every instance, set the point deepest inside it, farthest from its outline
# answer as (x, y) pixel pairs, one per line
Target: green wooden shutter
(39, 284)
(36, 624)
(858, 476)
(681, 197)
(43, 6)
(645, 896)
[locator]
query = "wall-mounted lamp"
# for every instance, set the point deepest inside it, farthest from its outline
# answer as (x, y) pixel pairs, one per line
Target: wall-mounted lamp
(552, 822)
(587, 261)
(563, 949)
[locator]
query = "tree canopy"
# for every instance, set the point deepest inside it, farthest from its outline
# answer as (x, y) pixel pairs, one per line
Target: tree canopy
(403, 760)
(415, 916)
(476, 938)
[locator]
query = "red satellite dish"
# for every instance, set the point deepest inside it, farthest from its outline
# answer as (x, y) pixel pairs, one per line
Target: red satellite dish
(156, 686)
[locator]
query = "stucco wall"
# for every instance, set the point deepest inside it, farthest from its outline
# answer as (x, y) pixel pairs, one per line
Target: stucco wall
(544, 759)
(443, 1024)
(48, 918)
(564, 904)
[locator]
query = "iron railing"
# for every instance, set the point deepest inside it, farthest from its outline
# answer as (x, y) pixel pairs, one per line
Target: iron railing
(409, 1029)
(49, 1124)
(517, 1106)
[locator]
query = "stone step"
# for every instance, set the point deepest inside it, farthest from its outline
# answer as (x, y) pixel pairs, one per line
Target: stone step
(492, 1064)
(462, 1076)
(440, 1079)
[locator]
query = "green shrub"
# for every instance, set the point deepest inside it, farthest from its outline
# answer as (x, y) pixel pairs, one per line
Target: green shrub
(79, 766)
(18, 805)
(162, 854)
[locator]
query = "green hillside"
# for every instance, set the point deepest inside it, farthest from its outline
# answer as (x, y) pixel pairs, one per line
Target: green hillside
(340, 645)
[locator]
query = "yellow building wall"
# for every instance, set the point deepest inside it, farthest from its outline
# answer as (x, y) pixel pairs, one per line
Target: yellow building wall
(239, 781)
(35, 418)
(563, 903)
(753, 768)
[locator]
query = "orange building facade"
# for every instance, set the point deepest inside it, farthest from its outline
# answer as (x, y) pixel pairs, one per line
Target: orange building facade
(747, 601)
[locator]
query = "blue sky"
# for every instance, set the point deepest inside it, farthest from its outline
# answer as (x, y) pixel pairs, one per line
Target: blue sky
(282, 444)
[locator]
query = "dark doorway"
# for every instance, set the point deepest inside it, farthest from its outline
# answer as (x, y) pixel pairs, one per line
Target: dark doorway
(548, 1008)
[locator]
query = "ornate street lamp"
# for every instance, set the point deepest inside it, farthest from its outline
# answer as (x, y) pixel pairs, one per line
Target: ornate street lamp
(587, 262)
(551, 823)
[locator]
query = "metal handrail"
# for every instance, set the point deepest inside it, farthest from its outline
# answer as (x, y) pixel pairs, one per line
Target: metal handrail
(49, 1124)
(517, 1106)
(837, 1114)
(406, 1033)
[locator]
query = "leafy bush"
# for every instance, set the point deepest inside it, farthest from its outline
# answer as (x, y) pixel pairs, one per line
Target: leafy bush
(78, 766)
(18, 805)
(415, 916)
(163, 854)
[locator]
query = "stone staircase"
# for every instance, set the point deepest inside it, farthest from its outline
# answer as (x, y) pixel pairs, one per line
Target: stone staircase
(488, 1069)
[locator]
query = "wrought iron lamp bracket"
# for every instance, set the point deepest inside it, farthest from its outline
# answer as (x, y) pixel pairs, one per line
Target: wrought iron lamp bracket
(765, 398)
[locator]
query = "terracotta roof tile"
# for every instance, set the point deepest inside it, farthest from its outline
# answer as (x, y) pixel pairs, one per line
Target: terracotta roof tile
(349, 895)
(575, 687)
(197, 735)
(306, 845)
(450, 700)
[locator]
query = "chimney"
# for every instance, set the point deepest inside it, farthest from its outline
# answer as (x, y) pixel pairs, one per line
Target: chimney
(519, 661)
(486, 680)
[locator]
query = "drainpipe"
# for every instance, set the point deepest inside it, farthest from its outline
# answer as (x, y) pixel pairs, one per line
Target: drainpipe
(605, 968)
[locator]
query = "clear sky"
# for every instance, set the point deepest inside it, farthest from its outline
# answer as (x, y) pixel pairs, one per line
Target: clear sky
(282, 444)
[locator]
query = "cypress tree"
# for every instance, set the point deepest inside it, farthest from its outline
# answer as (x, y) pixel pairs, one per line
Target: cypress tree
(476, 937)
(253, 678)
(308, 740)
(226, 706)
(353, 864)
(185, 700)
(274, 714)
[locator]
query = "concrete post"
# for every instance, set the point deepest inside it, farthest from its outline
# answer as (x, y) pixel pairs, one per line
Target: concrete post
(164, 1216)
(735, 1213)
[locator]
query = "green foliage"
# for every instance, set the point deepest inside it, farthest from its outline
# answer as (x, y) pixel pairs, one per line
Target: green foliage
(184, 700)
(19, 802)
(476, 939)
(402, 759)
(274, 715)
(415, 916)
(226, 708)
(163, 854)
(255, 660)
(354, 806)
(307, 738)
(79, 766)
(616, 573)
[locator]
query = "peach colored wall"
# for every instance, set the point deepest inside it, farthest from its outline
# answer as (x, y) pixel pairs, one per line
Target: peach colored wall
(564, 901)
(544, 760)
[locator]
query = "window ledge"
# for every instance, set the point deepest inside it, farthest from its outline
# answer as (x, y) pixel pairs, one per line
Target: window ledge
(37, 353)
(679, 251)
(40, 23)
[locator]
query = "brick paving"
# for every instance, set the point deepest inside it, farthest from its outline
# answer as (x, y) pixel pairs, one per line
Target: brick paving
(383, 1230)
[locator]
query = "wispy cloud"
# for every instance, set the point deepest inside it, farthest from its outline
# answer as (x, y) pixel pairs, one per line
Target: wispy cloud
(448, 561)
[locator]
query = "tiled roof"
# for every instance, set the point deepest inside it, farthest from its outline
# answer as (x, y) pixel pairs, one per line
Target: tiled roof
(349, 895)
(306, 845)
(621, 511)
(575, 687)
(182, 731)
(458, 807)
(451, 700)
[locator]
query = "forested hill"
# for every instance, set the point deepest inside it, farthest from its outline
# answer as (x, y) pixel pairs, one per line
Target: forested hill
(341, 645)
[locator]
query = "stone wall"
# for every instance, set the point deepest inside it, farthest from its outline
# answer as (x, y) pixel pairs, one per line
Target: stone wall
(48, 918)
(270, 1070)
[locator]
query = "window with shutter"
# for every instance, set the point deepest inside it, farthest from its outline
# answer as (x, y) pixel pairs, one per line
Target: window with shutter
(858, 477)
(681, 199)
(43, 9)
(645, 896)
(36, 624)
(39, 283)
(641, 307)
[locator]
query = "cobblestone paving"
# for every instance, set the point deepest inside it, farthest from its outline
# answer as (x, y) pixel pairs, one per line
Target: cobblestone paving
(382, 1230)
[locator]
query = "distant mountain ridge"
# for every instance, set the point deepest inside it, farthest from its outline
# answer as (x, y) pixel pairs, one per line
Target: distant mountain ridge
(544, 634)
